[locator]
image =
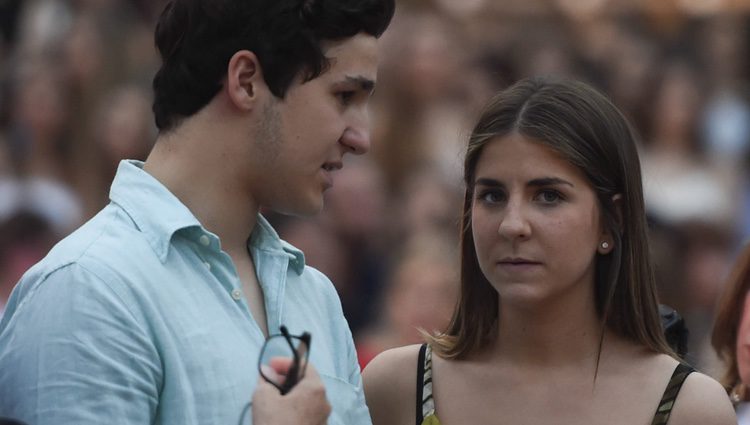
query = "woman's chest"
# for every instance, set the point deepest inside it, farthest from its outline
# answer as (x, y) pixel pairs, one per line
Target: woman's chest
(556, 400)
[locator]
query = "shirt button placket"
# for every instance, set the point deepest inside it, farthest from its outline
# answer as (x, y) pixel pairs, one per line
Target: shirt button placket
(205, 241)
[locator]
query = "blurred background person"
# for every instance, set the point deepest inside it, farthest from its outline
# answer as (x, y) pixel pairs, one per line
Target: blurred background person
(731, 335)
(25, 238)
(420, 295)
(122, 129)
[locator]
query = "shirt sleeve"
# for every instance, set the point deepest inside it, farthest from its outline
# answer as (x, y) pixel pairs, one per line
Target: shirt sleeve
(72, 352)
(362, 413)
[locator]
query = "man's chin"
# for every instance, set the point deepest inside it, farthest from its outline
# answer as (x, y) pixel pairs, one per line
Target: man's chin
(309, 209)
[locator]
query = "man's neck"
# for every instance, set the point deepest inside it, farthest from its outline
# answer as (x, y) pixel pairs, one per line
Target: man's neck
(192, 171)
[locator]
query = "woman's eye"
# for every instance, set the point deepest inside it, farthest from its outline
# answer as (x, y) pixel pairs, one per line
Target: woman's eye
(491, 197)
(549, 196)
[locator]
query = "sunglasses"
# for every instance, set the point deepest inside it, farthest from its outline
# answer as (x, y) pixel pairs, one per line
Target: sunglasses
(280, 348)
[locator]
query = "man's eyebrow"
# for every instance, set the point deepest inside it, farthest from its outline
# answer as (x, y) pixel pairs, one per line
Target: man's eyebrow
(364, 83)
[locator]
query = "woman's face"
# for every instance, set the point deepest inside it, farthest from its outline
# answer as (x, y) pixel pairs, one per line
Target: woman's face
(536, 223)
(743, 342)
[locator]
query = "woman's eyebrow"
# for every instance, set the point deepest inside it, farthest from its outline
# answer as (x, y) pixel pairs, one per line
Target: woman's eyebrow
(549, 181)
(488, 182)
(542, 181)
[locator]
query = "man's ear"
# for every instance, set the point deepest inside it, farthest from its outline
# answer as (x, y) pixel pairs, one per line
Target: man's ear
(244, 79)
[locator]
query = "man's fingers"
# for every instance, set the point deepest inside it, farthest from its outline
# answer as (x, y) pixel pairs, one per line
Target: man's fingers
(311, 387)
(264, 390)
(312, 373)
(281, 365)
(305, 403)
(271, 374)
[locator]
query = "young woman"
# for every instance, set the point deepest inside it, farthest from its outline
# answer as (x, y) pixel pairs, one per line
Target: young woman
(558, 318)
(731, 336)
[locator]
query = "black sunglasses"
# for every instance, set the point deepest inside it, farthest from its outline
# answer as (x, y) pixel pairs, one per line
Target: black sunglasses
(283, 346)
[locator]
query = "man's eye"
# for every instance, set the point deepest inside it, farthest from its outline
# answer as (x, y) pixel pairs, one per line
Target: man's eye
(346, 96)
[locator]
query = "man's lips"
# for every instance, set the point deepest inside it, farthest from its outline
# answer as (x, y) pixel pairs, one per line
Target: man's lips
(332, 166)
(328, 168)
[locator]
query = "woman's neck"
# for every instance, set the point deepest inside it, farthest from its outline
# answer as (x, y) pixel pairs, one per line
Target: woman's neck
(551, 334)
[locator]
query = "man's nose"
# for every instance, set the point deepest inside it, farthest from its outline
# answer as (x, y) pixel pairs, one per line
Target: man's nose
(356, 137)
(357, 140)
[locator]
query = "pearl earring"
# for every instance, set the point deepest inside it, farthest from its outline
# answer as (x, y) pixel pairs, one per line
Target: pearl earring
(605, 245)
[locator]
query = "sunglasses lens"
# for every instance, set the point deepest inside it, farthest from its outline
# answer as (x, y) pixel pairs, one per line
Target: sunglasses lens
(278, 359)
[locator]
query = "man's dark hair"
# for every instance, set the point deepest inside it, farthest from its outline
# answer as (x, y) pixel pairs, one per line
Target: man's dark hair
(196, 39)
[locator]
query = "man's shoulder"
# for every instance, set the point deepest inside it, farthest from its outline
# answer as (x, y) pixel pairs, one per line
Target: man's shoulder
(317, 285)
(108, 242)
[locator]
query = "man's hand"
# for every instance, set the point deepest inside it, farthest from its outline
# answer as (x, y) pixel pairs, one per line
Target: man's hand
(305, 404)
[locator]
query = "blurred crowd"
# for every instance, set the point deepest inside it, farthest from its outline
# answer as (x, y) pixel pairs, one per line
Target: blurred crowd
(75, 98)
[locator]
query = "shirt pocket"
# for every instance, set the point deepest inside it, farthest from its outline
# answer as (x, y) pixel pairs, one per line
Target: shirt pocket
(347, 401)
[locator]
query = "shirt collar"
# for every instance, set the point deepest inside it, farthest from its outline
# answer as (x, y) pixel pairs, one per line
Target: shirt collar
(159, 214)
(264, 237)
(152, 207)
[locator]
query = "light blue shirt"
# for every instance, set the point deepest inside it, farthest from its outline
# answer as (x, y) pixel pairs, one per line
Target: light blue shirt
(138, 318)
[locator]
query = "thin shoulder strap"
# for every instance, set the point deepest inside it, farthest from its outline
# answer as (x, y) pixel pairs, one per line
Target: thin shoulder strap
(424, 402)
(666, 404)
(420, 382)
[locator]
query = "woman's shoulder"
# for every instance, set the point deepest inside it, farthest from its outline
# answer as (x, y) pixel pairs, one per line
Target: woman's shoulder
(702, 400)
(390, 384)
(696, 399)
(394, 369)
(399, 356)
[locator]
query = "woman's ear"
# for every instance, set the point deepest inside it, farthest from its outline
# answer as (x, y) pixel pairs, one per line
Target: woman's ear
(607, 240)
(244, 79)
(617, 204)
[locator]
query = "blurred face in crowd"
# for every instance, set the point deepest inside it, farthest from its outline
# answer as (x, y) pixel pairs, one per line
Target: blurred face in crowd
(743, 343)
(41, 106)
(423, 295)
(125, 124)
(535, 222)
(358, 203)
(304, 136)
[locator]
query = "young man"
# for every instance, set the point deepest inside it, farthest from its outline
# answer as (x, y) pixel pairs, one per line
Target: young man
(155, 311)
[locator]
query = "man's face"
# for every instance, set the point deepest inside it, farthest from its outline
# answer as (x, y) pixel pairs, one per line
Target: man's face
(304, 137)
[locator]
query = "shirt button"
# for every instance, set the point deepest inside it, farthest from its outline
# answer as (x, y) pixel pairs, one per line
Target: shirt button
(205, 241)
(237, 295)
(207, 264)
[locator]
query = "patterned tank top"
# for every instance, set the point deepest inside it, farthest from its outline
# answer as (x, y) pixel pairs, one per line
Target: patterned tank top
(426, 404)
